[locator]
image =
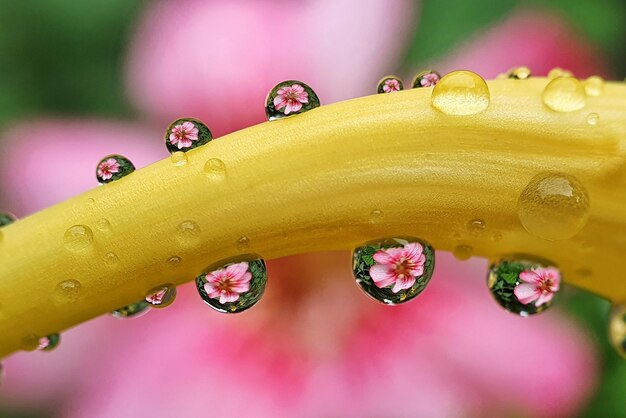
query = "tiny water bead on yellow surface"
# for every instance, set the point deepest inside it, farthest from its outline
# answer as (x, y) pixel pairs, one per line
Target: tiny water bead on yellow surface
(553, 206)
(103, 225)
(593, 119)
(78, 238)
(49, 342)
(461, 93)
(68, 290)
(617, 329)
(564, 94)
(594, 85)
(188, 233)
(162, 296)
(179, 158)
(463, 252)
(519, 73)
(112, 168)
(134, 310)
(290, 98)
(185, 134)
(243, 243)
(389, 84)
(215, 169)
(111, 259)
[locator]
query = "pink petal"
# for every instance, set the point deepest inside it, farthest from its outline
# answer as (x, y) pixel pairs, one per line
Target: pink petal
(383, 257)
(402, 284)
(413, 251)
(237, 271)
(529, 276)
(382, 274)
(544, 298)
(526, 293)
(227, 297)
(296, 106)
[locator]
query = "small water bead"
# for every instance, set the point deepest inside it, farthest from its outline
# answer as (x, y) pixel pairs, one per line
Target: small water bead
(78, 238)
(593, 119)
(234, 285)
(519, 73)
(215, 169)
(553, 206)
(243, 243)
(68, 290)
(594, 85)
(103, 225)
(524, 286)
(112, 168)
(617, 329)
(394, 270)
(134, 310)
(389, 84)
(426, 78)
(463, 252)
(559, 72)
(162, 297)
(49, 342)
(188, 233)
(476, 225)
(461, 93)
(289, 98)
(179, 158)
(564, 94)
(174, 261)
(376, 215)
(111, 259)
(186, 134)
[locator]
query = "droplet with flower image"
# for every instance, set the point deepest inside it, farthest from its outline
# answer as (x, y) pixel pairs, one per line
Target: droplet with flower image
(524, 285)
(426, 78)
(134, 310)
(186, 134)
(389, 84)
(162, 297)
(289, 98)
(49, 342)
(617, 329)
(395, 270)
(113, 167)
(233, 285)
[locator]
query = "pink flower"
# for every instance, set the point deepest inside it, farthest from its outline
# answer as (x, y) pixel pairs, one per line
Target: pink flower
(391, 85)
(182, 135)
(291, 98)
(107, 168)
(227, 284)
(157, 297)
(398, 266)
(429, 80)
(540, 285)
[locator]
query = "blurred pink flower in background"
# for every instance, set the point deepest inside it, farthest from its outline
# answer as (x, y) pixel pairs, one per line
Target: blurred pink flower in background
(314, 346)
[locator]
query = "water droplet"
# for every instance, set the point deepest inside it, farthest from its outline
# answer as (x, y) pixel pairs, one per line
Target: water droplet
(461, 93)
(289, 98)
(395, 270)
(593, 119)
(564, 94)
(103, 225)
(6, 219)
(174, 261)
(179, 158)
(91, 202)
(68, 290)
(113, 167)
(497, 236)
(49, 342)
(78, 238)
(426, 78)
(29, 342)
(188, 233)
(476, 225)
(111, 259)
(134, 310)
(463, 252)
(186, 134)
(559, 72)
(389, 84)
(519, 73)
(594, 85)
(215, 169)
(617, 329)
(524, 286)
(553, 206)
(233, 285)
(243, 243)
(376, 215)
(162, 297)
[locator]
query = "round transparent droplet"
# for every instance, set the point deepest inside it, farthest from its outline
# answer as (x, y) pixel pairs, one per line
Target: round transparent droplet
(524, 285)
(111, 259)
(134, 310)
(376, 215)
(463, 252)
(461, 93)
(112, 168)
(519, 73)
(103, 225)
(476, 225)
(162, 296)
(78, 238)
(593, 119)
(215, 169)
(243, 243)
(594, 85)
(49, 342)
(564, 94)
(68, 290)
(393, 270)
(617, 329)
(426, 78)
(234, 285)
(389, 84)
(174, 261)
(179, 159)
(186, 134)
(290, 98)
(188, 233)
(553, 206)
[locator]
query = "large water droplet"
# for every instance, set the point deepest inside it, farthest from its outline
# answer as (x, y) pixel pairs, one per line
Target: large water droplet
(179, 159)
(519, 73)
(564, 94)
(134, 310)
(524, 286)
(553, 206)
(113, 167)
(78, 238)
(617, 329)
(463, 252)
(49, 342)
(426, 78)
(394, 270)
(594, 85)
(234, 285)
(289, 98)
(68, 290)
(162, 296)
(593, 119)
(186, 134)
(188, 233)
(461, 93)
(215, 169)
(389, 84)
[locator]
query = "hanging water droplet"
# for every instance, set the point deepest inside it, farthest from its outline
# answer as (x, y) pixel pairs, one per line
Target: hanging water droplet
(524, 286)
(594, 85)
(394, 270)
(559, 72)
(174, 261)
(564, 94)
(111, 259)
(389, 84)
(461, 93)
(243, 243)
(426, 78)
(519, 73)
(29, 342)
(288, 98)
(68, 290)
(103, 225)
(463, 252)
(113, 167)
(593, 119)
(49, 342)
(179, 158)
(476, 226)
(553, 206)
(78, 238)
(233, 285)
(6, 219)
(617, 329)
(188, 233)
(215, 169)
(186, 134)
(134, 310)
(162, 297)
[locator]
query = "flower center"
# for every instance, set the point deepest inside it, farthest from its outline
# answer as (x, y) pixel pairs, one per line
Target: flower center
(225, 285)
(181, 135)
(403, 268)
(546, 286)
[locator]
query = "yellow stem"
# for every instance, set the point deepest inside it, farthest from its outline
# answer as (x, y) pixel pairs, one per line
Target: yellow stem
(329, 179)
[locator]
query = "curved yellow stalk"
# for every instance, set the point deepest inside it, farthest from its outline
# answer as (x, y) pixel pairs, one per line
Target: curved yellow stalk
(328, 179)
